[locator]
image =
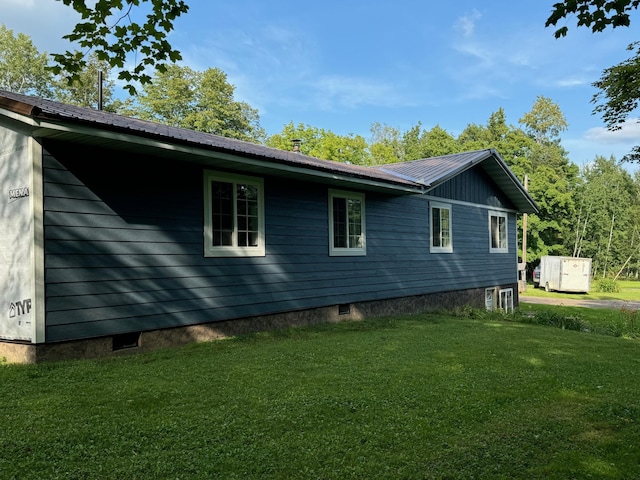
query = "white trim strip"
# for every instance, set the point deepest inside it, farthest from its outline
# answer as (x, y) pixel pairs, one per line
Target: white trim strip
(432, 198)
(37, 261)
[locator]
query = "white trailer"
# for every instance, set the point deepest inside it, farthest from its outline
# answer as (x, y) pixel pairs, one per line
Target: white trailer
(565, 274)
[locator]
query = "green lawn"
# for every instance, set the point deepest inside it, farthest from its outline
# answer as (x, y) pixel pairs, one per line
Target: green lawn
(419, 397)
(629, 291)
(621, 322)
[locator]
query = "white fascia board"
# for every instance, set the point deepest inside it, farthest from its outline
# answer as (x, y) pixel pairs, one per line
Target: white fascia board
(470, 204)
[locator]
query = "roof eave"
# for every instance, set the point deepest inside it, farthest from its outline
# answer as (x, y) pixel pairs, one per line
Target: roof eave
(49, 128)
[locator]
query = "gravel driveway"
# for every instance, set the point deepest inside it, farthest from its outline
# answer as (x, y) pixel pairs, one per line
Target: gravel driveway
(580, 302)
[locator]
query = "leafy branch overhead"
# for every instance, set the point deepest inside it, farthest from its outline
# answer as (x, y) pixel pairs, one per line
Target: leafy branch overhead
(107, 30)
(596, 14)
(620, 85)
(618, 93)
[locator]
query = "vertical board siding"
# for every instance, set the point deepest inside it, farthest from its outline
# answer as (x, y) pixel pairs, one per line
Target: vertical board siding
(473, 186)
(124, 251)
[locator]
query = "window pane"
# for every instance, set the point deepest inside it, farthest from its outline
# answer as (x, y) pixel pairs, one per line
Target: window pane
(252, 238)
(435, 227)
(339, 223)
(242, 239)
(355, 223)
(445, 228)
(247, 215)
(498, 225)
(221, 213)
(495, 234)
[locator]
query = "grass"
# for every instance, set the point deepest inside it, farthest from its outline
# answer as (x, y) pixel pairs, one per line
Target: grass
(429, 396)
(629, 291)
(622, 322)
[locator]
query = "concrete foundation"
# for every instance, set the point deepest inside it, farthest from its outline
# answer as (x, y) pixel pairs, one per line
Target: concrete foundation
(16, 352)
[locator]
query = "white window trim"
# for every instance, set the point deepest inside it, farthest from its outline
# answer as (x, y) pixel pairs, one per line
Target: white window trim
(228, 250)
(346, 251)
(506, 300)
(505, 249)
(490, 295)
(441, 206)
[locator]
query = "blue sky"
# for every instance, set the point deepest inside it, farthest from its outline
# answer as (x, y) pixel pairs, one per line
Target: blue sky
(344, 65)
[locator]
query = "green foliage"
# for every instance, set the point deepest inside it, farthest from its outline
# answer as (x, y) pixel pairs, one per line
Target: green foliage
(553, 318)
(607, 285)
(321, 143)
(22, 67)
(389, 145)
(108, 30)
(545, 121)
(619, 92)
(604, 228)
(202, 101)
(386, 144)
(597, 14)
(613, 322)
(619, 86)
(83, 90)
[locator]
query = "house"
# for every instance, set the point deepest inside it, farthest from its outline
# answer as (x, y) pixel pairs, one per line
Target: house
(119, 233)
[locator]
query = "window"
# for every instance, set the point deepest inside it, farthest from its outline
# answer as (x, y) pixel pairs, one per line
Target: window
(490, 298)
(346, 223)
(503, 296)
(506, 300)
(233, 215)
(498, 232)
(441, 228)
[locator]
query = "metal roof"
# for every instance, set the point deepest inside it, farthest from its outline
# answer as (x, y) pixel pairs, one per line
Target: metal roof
(434, 171)
(50, 119)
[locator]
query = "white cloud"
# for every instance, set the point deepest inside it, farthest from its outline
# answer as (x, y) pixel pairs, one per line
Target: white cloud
(628, 134)
(333, 91)
(467, 23)
(280, 65)
(571, 82)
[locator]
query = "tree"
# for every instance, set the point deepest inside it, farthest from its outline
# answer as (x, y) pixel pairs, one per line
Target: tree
(203, 101)
(604, 229)
(552, 180)
(419, 143)
(320, 143)
(545, 121)
(619, 86)
(438, 142)
(620, 93)
(83, 91)
(597, 14)
(108, 30)
(386, 144)
(22, 67)
(389, 145)
(513, 144)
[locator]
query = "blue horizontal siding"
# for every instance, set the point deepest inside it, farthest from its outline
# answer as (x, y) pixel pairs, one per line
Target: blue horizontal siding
(123, 249)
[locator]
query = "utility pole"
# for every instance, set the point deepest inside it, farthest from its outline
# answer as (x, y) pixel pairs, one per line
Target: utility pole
(100, 90)
(523, 270)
